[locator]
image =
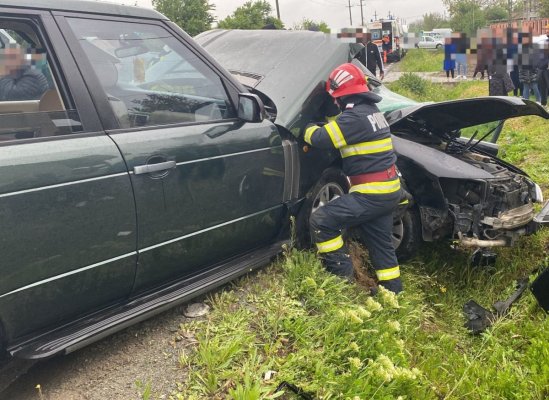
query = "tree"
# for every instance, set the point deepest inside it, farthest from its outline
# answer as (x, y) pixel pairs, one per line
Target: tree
(428, 22)
(544, 9)
(310, 25)
(193, 16)
(467, 16)
(496, 13)
(434, 20)
(252, 15)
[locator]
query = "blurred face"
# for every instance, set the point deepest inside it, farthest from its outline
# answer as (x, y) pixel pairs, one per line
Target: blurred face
(11, 59)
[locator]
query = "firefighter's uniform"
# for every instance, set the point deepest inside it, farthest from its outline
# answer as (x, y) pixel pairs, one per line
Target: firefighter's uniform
(362, 136)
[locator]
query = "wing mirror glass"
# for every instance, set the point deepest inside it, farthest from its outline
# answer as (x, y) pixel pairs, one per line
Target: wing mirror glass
(250, 108)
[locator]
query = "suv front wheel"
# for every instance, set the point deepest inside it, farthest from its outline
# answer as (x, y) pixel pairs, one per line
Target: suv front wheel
(331, 185)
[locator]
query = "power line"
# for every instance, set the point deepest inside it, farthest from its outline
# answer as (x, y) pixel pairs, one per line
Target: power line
(325, 4)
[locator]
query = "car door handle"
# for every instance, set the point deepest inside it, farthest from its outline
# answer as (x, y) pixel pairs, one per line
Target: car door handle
(149, 168)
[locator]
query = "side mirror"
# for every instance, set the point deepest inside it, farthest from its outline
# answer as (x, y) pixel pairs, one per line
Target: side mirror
(250, 107)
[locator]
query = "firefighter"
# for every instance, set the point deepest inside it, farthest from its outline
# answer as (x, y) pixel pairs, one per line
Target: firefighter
(362, 136)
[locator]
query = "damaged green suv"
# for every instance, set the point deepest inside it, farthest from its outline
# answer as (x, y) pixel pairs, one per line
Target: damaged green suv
(121, 193)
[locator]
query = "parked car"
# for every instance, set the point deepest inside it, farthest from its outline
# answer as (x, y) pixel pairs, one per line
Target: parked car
(458, 187)
(430, 42)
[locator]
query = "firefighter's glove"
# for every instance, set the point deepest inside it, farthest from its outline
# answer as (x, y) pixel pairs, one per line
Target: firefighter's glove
(330, 109)
(307, 134)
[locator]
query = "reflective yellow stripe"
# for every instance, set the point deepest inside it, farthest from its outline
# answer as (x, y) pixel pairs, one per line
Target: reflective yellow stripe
(405, 201)
(388, 274)
(377, 187)
(375, 146)
(330, 245)
(335, 134)
(309, 132)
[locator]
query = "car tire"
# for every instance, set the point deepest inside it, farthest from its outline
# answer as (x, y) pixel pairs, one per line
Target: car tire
(332, 184)
(417, 46)
(438, 46)
(407, 237)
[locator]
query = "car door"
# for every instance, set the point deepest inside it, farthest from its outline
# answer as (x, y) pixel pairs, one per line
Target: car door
(208, 186)
(68, 237)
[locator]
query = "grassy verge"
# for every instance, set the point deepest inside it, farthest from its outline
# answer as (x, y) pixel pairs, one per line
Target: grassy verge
(421, 60)
(419, 89)
(294, 322)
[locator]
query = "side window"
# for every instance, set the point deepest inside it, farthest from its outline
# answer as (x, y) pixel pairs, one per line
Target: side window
(30, 103)
(149, 76)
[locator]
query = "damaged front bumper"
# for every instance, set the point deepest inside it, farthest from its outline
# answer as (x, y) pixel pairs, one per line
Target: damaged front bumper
(506, 228)
(511, 219)
(543, 216)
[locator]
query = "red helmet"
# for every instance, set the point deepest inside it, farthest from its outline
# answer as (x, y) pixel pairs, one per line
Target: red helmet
(345, 80)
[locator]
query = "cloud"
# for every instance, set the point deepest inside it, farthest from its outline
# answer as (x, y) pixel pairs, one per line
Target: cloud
(334, 12)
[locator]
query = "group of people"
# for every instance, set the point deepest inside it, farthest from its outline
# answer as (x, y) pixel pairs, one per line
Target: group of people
(511, 59)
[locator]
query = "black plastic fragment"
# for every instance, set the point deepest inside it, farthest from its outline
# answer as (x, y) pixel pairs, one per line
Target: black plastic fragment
(540, 289)
(479, 318)
(502, 307)
(295, 389)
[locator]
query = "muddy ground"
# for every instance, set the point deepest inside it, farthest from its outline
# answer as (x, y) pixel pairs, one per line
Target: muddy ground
(118, 367)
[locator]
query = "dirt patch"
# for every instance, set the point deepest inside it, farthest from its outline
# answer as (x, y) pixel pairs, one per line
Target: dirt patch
(362, 269)
(121, 366)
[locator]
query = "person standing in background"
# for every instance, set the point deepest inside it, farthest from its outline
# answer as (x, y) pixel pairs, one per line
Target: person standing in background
(373, 57)
(543, 71)
(449, 57)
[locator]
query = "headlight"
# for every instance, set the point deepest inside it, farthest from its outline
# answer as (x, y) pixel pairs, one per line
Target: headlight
(539, 194)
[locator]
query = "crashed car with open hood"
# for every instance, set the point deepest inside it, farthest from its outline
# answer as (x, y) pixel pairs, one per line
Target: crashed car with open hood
(458, 188)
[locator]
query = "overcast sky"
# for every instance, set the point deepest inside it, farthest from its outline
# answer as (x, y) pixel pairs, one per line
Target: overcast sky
(334, 12)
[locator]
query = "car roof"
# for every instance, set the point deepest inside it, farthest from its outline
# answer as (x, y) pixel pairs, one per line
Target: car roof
(95, 7)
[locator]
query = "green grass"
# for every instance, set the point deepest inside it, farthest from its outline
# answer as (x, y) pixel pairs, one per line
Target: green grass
(419, 89)
(295, 322)
(422, 60)
(332, 340)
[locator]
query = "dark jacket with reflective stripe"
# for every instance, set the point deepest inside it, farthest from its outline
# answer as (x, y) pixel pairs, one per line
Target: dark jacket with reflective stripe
(361, 134)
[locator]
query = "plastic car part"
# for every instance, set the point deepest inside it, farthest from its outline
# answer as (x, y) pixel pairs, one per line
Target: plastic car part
(540, 289)
(295, 389)
(483, 257)
(479, 318)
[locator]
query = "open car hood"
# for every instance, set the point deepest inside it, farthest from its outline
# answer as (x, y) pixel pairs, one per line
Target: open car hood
(447, 116)
(290, 67)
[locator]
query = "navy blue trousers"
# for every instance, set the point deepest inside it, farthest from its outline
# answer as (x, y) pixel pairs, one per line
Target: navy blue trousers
(373, 215)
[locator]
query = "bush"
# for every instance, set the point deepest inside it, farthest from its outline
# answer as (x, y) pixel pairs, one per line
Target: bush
(414, 83)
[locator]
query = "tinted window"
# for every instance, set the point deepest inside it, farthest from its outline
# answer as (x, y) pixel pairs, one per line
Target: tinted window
(30, 103)
(149, 76)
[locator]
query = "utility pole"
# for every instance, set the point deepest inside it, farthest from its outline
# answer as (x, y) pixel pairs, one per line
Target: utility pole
(361, 14)
(350, 15)
(375, 15)
(277, 10)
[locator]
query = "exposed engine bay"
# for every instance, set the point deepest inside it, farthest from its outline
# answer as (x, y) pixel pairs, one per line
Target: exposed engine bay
(484, 202)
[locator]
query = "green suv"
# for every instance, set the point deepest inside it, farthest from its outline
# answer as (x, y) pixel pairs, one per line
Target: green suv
(135, 173)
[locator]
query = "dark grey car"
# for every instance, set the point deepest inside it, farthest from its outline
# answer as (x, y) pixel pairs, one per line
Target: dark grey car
(458, 187)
